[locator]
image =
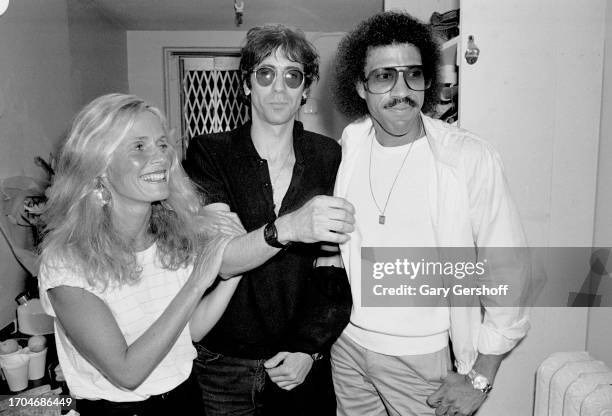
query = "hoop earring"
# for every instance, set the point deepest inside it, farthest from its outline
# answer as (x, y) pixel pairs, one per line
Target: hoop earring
(101, 193)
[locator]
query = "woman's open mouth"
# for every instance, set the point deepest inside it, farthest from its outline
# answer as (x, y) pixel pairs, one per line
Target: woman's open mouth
(157, 176)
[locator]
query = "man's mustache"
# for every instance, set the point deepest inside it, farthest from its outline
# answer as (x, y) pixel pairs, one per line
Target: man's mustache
(400, 100)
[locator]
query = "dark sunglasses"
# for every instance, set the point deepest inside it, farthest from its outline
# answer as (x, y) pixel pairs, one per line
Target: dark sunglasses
(382, 80)
(292, 77)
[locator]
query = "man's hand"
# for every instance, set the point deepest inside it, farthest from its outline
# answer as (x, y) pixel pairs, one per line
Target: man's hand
(456, 396)
(217, 218)
(323, 218)
(288, 369)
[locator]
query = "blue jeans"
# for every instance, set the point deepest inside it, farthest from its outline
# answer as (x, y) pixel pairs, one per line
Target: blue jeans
(239, 387)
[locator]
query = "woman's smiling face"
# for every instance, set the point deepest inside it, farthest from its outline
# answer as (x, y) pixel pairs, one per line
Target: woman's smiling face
(139, 168)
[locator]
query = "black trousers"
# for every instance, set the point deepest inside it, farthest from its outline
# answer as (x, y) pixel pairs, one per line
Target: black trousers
(185, 399)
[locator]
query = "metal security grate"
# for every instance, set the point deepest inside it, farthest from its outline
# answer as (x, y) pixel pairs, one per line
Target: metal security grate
(210, 99)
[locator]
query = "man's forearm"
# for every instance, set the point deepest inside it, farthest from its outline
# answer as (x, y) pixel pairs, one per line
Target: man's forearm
(322, 218)
(251, 250)
(245, 253)
(487, 365)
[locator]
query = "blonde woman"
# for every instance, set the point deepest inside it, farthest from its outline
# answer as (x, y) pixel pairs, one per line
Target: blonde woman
(124, 268)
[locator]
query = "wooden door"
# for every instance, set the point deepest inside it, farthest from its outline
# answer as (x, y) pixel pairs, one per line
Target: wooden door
(535, 92)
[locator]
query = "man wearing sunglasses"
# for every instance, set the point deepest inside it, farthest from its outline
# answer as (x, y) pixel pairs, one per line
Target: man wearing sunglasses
(269, 352)
(416, 182)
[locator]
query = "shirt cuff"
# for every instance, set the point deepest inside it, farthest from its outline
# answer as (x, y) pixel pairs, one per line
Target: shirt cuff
(495, 341)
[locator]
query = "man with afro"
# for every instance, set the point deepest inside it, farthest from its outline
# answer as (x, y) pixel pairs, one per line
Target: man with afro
(416, 182)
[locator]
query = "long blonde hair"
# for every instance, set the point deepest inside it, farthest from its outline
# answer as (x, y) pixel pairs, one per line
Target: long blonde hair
(81, 235)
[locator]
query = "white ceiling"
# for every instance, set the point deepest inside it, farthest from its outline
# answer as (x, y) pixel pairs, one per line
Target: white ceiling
(309, 15)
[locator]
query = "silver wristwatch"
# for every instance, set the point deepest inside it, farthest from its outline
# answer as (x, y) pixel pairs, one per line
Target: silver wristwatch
(479, 382)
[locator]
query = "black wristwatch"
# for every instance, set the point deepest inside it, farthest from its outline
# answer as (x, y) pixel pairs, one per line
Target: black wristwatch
(271, 236)
(316, 356)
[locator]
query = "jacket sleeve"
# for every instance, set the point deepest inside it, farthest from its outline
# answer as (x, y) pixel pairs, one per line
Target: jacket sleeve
(324, 311)
(499, 237)
(202, 166)
(326, 305)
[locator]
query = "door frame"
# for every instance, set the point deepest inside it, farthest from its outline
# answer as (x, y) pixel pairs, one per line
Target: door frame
(172, 83)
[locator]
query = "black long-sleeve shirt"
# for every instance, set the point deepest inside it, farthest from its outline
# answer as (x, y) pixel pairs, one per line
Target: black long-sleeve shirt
(263, 317)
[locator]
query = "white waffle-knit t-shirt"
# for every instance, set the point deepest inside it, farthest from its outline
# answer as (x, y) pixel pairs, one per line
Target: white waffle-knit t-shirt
(135, 308)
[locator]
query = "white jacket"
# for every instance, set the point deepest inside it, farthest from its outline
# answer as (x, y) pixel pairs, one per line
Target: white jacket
(470, 205)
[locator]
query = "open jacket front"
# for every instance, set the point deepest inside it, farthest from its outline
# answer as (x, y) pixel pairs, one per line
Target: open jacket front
(470, 206)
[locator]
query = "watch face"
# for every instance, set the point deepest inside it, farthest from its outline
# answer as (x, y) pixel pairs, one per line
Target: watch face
(480, 382)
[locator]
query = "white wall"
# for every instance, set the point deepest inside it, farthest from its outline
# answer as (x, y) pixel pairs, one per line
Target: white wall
(599, 335)
(98, 51)
(35, 102)
(40, 40)
(327, 120)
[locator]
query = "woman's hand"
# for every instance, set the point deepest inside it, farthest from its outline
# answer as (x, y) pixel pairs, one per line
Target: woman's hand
(217, 218)
(208, 262)
(213, 304)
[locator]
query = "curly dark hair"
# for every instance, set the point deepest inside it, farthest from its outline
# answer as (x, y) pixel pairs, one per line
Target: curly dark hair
(263, 41)
(382, 29)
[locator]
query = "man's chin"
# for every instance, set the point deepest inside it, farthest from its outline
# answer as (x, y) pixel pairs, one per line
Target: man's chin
(278, 121)
(395, 129)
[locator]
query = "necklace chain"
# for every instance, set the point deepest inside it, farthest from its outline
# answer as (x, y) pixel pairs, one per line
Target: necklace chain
(381, 217)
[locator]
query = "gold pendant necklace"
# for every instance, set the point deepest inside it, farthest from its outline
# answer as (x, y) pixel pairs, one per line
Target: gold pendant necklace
(382, 217)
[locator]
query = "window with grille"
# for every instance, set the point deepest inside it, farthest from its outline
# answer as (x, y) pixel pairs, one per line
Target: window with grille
(210, 100)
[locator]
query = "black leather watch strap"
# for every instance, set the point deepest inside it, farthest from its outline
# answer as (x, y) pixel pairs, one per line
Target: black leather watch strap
(271, 236)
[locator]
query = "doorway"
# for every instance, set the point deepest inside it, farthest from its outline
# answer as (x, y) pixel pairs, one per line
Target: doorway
(203, 93)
